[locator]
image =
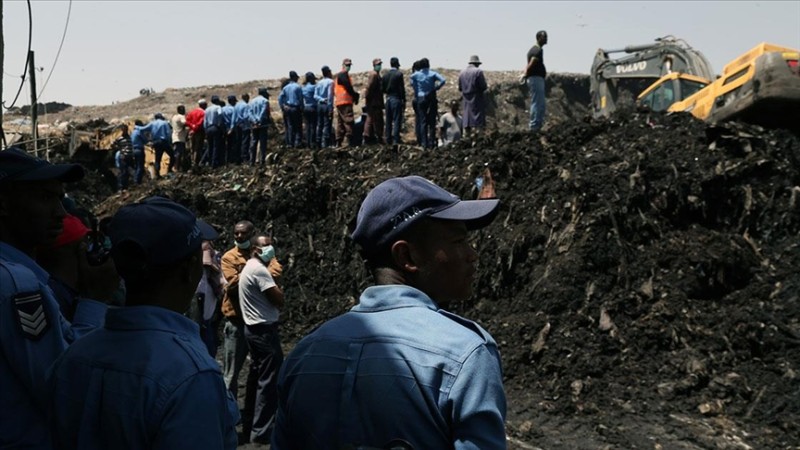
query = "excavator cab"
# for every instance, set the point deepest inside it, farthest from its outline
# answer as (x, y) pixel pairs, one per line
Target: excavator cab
(670, 89)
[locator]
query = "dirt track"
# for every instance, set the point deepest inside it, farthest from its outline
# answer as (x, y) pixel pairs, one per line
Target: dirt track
(641, 279)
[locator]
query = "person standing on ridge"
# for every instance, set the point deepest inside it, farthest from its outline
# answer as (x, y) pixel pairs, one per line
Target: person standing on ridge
(472, 85)
(344, 99)
(535, 74)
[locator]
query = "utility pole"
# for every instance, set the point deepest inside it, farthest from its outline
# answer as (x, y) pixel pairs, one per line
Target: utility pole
(34, 108)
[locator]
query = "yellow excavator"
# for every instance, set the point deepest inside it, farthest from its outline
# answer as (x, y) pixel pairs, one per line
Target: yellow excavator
(760, 86)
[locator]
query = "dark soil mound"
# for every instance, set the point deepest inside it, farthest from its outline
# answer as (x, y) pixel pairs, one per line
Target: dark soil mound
(641, 279)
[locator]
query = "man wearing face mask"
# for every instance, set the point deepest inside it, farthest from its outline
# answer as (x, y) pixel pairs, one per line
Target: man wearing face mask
(234, 346)
(261, 301)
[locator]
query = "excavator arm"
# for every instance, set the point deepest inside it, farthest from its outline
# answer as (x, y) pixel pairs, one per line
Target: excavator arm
(649, 61)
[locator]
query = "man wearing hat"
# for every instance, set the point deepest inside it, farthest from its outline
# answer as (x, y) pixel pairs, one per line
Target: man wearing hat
(323, 94)
(395, 89)
(212, 123)
(259, 119)
(145, 380)
(472, 85)
(33, 333)
(197, 134)
(373, 97)
(397, 366)
(344, 97)
(290, 101)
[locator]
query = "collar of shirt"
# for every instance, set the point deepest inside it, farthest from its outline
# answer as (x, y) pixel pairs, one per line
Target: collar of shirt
(149, 318)
(386, 297)
(10, 253)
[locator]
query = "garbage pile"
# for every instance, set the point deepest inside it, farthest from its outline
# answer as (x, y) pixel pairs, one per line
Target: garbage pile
(641, 279)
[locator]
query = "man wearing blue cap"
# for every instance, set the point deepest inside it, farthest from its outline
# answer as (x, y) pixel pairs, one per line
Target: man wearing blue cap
(33, 332)
(145, 380)
(398, 369)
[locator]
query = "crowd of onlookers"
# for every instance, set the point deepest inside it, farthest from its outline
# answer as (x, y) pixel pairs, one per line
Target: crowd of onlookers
(217, 132)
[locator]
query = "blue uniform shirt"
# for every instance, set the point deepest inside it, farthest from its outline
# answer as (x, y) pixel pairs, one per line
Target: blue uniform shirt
(394, 367)
(425, 81)
(144, 381)
(138, 138)
(228, 117)
(213, 117)
(291, 95)
(242, 114)
(323, 92)
(309, 102)
(160, 130)
(32, 335)
(259, 111)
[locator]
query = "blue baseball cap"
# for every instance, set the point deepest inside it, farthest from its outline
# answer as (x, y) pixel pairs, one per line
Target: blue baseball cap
(394, 205)
(17, 165)
(166, 231)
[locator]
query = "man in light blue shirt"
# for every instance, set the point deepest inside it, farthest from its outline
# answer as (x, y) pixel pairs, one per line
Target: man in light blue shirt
(259, 119)
(213, 124)
(398, 367)
(138, 141)
(290, 101)
(242, 127)
(146, 380)
(425, 83)
(323, 94)
(160, 132)
(310, 110)
(230, 155)
(33, 333)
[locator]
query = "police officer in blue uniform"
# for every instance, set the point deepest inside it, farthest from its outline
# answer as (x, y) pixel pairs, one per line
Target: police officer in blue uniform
(397, 370)
(145, 380)
(33, 332)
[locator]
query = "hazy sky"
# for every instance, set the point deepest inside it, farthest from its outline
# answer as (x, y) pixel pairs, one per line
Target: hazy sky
(115, 48)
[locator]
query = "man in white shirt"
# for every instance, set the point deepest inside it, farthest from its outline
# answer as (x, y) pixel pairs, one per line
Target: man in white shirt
(179, 134)
(261, 300)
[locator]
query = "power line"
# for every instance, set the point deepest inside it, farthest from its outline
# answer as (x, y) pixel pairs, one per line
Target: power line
(27, 57)
(63, 36)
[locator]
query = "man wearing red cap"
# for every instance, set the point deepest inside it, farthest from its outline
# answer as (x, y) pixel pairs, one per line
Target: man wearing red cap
(62, 261)
(33, 333)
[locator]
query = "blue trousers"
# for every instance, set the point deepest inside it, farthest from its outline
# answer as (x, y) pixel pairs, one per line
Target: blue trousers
(162, 147)
(310, 118)
(536, 85)
(138, 163)
(394, 119)
(215, 147)
(294, 126)
(428, 106)
(324, 125)
(244, 141)
(259, 139)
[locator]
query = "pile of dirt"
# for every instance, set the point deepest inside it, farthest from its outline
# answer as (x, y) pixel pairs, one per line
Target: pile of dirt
(641, 279)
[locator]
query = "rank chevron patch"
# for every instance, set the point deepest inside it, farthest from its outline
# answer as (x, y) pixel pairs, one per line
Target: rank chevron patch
(30, 311)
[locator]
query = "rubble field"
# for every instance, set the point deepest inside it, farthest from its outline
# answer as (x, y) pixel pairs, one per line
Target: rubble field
(641, 279)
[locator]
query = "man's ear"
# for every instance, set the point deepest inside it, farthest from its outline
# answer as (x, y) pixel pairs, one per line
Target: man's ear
(403, 257)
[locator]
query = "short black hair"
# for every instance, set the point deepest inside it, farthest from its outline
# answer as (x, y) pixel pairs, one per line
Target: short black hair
(541, 34)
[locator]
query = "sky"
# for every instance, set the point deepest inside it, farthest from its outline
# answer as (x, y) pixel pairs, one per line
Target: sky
(113, 49)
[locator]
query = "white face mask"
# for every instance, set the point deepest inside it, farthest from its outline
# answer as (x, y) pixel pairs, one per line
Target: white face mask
(267, 253)
(243, 245)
